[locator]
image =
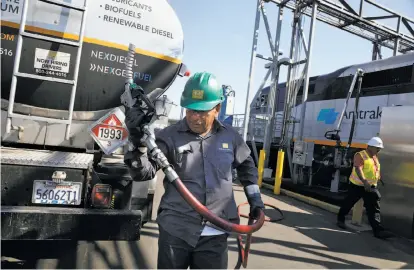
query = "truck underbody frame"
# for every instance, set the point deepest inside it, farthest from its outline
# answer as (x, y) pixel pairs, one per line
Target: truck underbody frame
(22, 219)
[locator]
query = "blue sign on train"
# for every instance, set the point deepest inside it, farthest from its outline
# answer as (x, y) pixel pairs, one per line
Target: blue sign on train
(328, 116)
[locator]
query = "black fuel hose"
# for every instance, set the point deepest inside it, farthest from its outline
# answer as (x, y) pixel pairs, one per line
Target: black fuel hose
(351, 132)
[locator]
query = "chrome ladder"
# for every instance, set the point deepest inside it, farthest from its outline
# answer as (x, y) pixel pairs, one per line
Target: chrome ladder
(16, 73)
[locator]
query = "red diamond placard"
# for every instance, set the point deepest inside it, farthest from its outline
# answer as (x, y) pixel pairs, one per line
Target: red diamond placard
(109, 131)
(112, 120)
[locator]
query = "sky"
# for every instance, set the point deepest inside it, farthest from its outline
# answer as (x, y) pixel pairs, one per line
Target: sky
(218, 36)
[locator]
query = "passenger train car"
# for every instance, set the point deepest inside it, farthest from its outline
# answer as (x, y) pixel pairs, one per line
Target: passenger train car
(386, 82)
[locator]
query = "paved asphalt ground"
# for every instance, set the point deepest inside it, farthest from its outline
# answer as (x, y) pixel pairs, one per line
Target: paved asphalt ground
(306, 238)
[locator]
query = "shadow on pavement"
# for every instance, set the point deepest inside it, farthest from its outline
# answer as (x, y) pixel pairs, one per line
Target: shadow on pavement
(25, 254)
(331, 243)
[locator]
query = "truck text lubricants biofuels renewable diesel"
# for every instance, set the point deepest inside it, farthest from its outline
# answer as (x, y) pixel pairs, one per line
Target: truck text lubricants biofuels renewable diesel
(56, 181)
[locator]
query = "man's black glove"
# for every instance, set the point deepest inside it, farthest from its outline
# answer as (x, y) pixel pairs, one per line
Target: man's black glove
(255, 202)
(134, 119)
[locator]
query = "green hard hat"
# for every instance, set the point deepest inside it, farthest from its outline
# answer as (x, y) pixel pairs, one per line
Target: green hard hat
(202, 92)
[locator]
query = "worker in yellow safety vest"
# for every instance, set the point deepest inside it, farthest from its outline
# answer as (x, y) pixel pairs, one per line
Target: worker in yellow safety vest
(363, 184)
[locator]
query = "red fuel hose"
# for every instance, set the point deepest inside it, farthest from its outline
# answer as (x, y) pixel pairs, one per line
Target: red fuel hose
(244, 249)
(224, 224)
(208, 215)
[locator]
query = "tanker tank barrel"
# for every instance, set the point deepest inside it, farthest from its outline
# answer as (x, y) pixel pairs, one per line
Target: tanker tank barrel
(95, 64)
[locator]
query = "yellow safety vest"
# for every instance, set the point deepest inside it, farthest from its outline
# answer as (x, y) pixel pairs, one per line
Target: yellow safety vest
(371, 170)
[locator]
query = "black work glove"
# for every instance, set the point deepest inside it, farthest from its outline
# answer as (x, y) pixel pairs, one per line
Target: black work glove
(256, 204)
(134, 119)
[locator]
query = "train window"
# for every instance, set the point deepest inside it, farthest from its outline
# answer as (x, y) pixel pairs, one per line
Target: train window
(311, 89)
(399, 75)
(338, 88)
(261, 101)
(257, 104)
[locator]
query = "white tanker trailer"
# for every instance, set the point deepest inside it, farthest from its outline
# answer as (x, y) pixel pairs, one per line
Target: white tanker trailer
(62, 75)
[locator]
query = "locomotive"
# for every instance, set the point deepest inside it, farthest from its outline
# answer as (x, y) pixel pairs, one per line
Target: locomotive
(386, 82)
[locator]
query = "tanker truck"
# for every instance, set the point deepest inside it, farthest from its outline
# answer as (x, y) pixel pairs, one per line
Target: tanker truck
(63, 69)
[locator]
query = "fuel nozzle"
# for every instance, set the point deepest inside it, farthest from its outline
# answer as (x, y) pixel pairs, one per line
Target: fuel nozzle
(333, 135)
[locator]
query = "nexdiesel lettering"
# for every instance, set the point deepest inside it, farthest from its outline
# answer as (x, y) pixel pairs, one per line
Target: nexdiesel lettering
(110, 57)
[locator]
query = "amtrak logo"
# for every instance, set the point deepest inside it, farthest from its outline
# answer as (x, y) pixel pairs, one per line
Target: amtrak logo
(327, 115)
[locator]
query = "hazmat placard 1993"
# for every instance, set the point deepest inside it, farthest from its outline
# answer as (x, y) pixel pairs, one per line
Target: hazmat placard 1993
(110, 132)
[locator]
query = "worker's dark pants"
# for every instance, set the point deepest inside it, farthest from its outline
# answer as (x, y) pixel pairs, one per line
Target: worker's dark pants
(175, 253)
(371, 203)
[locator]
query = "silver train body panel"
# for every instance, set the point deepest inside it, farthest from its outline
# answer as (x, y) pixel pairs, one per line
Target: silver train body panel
(397, 169)
(387, 82)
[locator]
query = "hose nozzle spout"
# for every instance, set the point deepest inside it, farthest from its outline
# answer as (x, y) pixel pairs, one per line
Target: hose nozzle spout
(129, 63)
(126, 98)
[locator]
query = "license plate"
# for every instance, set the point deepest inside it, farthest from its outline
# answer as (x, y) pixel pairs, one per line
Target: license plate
(49, 192)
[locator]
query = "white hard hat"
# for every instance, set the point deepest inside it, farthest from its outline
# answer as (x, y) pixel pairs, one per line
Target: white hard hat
(376, 142)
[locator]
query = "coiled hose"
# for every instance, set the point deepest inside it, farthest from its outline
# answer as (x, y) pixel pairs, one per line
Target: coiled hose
(244, 249)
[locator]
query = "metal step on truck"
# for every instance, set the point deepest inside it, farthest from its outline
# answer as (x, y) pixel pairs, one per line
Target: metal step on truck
(64, 66)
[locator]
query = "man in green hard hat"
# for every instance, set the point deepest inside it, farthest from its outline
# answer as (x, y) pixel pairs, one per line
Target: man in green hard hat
(203, 152)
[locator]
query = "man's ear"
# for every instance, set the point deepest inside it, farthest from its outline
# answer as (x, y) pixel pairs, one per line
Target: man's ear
(218, 108)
